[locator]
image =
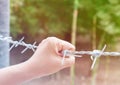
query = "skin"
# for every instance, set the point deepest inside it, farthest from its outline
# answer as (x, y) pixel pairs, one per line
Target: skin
(45, 61)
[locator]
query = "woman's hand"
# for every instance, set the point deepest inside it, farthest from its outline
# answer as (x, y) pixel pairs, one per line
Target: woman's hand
(48, 57)
(46, 60)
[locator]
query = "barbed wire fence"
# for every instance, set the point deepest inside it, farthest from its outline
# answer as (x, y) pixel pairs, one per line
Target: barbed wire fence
(94, 54)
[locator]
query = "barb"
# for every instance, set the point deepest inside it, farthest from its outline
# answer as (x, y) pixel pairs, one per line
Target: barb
(64, 54)
(96, 56)
(17, 43)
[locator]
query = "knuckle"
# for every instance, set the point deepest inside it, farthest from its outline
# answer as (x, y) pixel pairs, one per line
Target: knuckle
(51, 38)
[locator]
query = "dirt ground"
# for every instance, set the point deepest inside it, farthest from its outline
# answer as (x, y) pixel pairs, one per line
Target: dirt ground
(108, 72)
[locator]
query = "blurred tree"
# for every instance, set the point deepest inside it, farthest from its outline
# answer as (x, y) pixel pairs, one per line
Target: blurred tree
(41, 17)
(98, 19)
(73, 37)
(107, 25)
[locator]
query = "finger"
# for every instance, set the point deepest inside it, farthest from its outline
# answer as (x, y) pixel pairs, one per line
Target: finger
(63, 45)
(68, 62)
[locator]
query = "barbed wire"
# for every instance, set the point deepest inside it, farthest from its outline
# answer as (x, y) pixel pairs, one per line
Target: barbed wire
(17, 43)
(68, 53)
(94, 54)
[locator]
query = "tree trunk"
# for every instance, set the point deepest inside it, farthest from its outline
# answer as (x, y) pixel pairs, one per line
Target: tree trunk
(4, 31)
(73, 38)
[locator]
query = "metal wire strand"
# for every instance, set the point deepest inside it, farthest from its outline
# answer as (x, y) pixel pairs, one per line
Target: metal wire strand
(94, 53)
(68, 53)
(17, 43)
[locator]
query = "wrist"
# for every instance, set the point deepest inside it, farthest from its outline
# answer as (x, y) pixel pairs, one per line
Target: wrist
(22, 72)
(32, 69)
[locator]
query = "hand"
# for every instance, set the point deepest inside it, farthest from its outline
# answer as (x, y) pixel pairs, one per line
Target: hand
(48, 57)
(46, 60)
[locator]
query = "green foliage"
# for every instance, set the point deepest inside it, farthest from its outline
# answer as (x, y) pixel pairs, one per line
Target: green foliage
(54, 17)
(108, 20)
(37, 17)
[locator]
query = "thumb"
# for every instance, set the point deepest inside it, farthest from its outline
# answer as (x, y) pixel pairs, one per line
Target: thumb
(68, 61)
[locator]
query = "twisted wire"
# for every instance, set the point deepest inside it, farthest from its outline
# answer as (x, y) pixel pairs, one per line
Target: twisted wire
(93, 53)
(68, 53)
(17, 43)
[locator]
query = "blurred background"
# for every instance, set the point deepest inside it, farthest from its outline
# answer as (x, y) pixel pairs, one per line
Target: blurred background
(88, 24)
